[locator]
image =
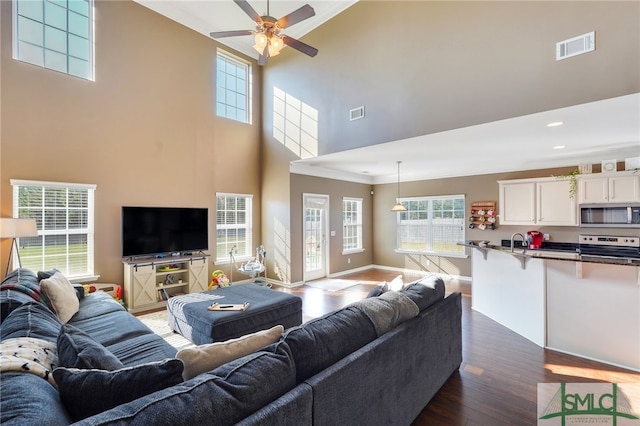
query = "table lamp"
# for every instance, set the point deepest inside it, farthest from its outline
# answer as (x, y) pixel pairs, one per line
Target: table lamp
(15, 228)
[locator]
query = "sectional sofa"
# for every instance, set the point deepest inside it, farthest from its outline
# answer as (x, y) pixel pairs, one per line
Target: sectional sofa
(377, 361)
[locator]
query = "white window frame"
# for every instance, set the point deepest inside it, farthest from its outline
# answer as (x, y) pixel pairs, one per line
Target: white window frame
(423, 206)
(229, 99)
(347, 237)
(239, 254)
(41, 212)
(50, 44)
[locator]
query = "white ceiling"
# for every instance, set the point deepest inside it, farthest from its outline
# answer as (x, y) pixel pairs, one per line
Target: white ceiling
(206, 16)
(603, 130)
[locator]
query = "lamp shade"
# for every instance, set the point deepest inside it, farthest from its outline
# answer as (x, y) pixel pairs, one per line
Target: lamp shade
(398, 208)
(14, 228)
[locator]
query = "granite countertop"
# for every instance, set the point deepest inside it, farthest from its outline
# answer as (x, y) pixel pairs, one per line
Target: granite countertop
(551, 251)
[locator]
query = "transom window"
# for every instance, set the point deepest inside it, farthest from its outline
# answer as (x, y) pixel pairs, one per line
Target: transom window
(64, 214)
(233, 226)
(351, 224)
(233, 88)
(432, 225)
(55, 34)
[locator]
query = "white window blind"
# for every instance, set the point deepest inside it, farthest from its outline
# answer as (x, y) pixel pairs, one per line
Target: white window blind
(432, 225)
(233, 226)
(57, 35)
(233, 88)
(351, 224)
(64, 214)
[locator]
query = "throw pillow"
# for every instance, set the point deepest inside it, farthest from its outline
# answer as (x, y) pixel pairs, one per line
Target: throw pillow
(378, 290)
(76, 349)
(426, 291)
(62, 296)
(203, 358)
(396, 284)
(88, 392)
(388, 310)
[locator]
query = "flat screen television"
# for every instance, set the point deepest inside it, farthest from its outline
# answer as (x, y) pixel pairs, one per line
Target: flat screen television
(159, 230)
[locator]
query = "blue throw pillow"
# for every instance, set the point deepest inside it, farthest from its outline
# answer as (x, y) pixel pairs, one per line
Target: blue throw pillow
(76, 349)
(378, 290)
(88, 392)
(425, 292)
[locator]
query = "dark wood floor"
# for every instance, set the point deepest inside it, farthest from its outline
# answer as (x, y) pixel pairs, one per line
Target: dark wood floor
(497, 381)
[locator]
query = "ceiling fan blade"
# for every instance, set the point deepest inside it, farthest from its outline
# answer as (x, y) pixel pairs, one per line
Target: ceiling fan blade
(246, 7)
(298, 45)
(296, 16)
(220, 34)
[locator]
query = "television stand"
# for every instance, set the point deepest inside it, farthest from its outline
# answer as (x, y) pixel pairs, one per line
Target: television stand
(149, 282)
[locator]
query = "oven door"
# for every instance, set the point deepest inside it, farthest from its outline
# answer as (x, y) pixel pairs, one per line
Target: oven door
(609, 216)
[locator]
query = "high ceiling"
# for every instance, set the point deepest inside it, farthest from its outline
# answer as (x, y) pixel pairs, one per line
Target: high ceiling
(603, 130)
(206, 16)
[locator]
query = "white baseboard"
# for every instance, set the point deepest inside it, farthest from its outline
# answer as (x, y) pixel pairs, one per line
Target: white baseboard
(445, 277)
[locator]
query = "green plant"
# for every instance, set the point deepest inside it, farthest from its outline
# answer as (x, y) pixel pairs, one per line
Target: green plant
(573, 181)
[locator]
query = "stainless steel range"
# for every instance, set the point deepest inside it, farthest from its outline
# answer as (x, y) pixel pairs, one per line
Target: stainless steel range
(609, 246)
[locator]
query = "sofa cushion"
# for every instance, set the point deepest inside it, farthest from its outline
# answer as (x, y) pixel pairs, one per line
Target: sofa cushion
(76, 349)
(32, 319)
(27, 399)
(388, 310)
(113, 388)
(426, 291)
(203, 358)
(223, 396)
(318, 343)
(62, 295)
(18, 287)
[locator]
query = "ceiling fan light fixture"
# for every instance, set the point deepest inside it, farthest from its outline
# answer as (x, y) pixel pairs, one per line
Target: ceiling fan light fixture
(276, 44)
(261, 41)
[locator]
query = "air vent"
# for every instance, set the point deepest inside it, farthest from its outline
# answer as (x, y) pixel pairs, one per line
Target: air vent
(356, 113)
(576, 46)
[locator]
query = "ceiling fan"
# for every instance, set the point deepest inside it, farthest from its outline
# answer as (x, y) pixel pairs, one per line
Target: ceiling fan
(268, 39)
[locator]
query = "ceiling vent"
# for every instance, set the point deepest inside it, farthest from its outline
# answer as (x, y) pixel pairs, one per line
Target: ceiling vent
(356, 113)
(576, 46)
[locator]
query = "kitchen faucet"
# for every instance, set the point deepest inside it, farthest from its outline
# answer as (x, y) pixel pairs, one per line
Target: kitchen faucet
(513, 239)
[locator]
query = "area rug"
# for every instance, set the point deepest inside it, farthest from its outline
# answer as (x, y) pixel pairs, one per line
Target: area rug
(332, 284)
(158, 322)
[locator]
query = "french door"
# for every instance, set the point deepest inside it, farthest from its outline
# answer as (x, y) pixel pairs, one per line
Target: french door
(316, 224)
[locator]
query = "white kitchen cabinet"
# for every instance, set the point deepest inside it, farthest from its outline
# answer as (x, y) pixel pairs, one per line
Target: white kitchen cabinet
(555, 205)
(542, 201)
(618, 187)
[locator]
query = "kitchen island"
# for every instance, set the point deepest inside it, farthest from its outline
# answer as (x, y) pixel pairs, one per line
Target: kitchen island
(587, 306)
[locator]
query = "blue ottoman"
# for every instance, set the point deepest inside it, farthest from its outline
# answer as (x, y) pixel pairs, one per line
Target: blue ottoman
(189, 316)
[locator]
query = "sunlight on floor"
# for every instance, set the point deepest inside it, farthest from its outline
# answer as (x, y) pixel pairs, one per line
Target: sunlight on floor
(588, 373)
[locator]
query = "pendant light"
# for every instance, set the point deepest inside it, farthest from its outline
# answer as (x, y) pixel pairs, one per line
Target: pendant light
(398, 207)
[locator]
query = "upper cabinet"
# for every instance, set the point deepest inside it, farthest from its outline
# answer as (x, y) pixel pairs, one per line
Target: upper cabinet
(618, 187)
(543, 201)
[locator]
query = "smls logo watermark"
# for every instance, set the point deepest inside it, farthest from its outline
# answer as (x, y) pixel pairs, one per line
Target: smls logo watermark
(612, 404)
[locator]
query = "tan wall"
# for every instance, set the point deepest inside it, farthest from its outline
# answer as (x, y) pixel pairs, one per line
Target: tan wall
(145, 131)
(336, 190)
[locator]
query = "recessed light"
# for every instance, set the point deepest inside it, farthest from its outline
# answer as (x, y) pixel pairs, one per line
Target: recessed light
(555, 124)
(559, 147)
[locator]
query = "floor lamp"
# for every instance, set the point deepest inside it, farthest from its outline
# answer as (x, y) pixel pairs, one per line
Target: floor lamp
(16, 228)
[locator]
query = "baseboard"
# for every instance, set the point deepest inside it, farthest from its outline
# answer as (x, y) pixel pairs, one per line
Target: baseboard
(403, 271)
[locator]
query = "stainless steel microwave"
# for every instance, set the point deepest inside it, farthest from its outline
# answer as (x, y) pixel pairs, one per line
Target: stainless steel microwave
(610, 215)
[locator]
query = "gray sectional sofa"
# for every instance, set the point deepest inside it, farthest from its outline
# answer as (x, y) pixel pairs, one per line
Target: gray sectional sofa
(377, 361)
